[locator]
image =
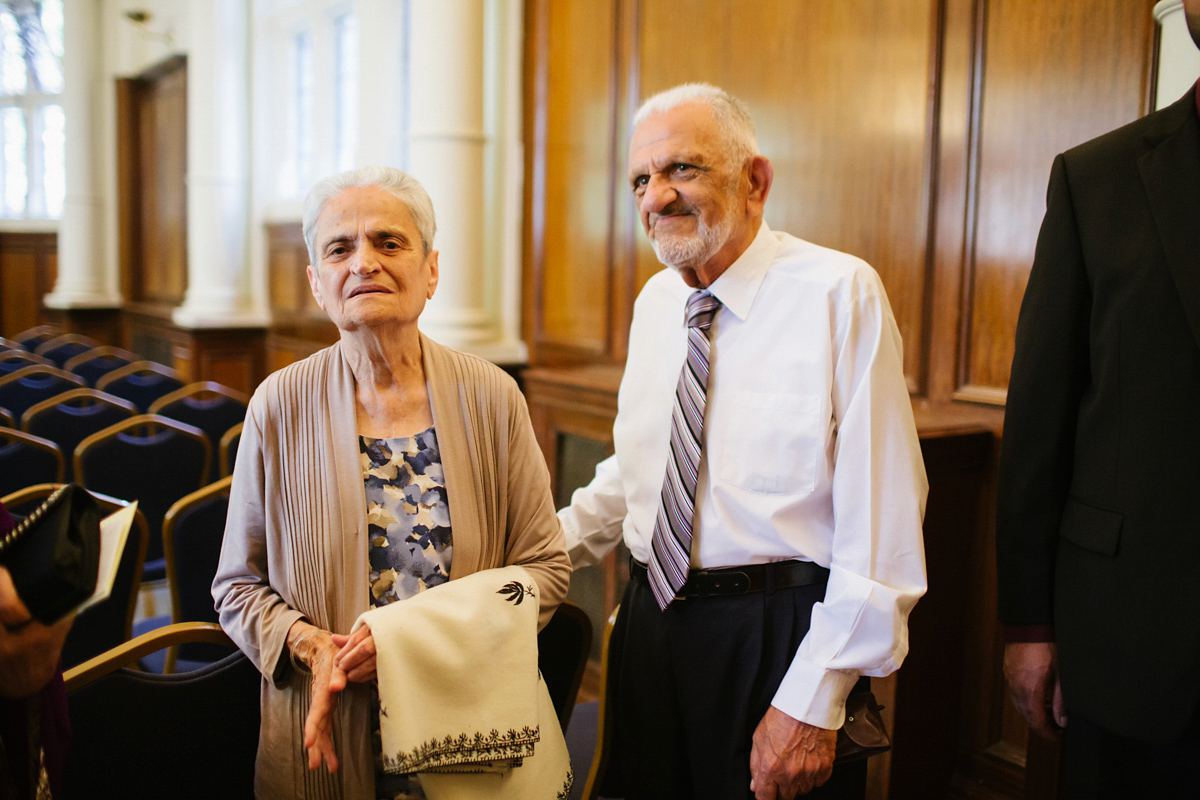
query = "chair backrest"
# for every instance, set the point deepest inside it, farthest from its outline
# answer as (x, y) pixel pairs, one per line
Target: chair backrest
(26, 460)
(228, 449)
(604, 716)
(13, 360)
(192, 533)
(69, 418)
(141, 383)
(110, 622)
(184, 735)
(6, 419)
(31, 338)
(62, 349)
(9, 344)
(98, 362)
(209, 406)
(563, 647)
(147, 458)
(22, 389)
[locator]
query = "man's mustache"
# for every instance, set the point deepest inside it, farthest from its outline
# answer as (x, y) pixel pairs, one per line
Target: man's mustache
(675, 209)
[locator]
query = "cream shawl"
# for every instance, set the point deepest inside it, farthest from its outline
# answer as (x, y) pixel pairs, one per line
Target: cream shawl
(460, 695)
(296, 537)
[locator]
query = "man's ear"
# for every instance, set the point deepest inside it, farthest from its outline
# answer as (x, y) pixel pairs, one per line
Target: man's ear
(761, 175)
(432, 260)
(315, 285)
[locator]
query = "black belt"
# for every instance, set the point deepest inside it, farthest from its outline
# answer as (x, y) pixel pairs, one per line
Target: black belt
(743, 580)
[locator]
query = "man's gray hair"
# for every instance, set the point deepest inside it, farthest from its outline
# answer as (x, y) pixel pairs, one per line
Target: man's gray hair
(401, 185)
(731, 114)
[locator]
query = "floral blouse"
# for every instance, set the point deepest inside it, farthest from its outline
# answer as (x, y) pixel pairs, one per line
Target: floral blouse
(408, 526)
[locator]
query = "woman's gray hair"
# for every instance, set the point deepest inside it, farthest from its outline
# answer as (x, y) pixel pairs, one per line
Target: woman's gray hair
(401, 185)
(731, 114)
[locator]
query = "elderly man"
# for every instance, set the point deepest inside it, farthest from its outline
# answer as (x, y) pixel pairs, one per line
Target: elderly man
(1097, 516)
(778, 559)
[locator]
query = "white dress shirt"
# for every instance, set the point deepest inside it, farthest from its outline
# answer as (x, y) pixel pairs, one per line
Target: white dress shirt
(810, 452)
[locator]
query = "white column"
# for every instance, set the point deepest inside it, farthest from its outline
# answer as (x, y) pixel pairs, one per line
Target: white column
(220, 290)
(1178, 59)
(83, 281)
(447, 143)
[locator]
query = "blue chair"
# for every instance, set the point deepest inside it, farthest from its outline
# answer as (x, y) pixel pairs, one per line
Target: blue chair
(69, 418)
(62, 349)
(26, 460)
(33, 337)
(109, 623)
(228, 449)
(13, 360)
(6, 419)
(98, 362)
(147, 458)
(563, 647)
(9, 344)
(209, 406)
(192, 534)
(23, 389)
(184, 736)
(141, 383)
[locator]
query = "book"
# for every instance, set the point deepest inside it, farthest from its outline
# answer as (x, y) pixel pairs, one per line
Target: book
(114, 531)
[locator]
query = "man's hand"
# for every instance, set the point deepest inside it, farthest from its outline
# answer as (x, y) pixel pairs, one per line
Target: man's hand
(356, 657)
(790, 757)
(29, 650)
(315, 649)
(1031, 669)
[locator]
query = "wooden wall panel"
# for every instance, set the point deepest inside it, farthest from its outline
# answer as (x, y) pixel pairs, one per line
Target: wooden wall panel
(839, 93)
(573, 136)
(153, 169)
(28, 269)
(1053, 76)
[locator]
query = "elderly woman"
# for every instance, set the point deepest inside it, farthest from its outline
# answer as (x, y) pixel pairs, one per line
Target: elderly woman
(376, 468)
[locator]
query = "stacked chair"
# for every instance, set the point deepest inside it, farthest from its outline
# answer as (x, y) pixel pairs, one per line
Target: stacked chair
(147, 458)
(69, 418)
(208, 406)
(26, 459)
(192, 533)
(184, 736)
(228, 448)
(13, 360)
(37, 336)
(62, 349)
(98, 362)
(21, 390)
(141, 383)
(9, 344)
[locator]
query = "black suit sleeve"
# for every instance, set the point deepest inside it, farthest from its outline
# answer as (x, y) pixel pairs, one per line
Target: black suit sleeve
(1050, 375)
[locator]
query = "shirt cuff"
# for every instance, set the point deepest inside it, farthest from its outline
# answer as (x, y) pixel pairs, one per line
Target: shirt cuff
(1014, 634)
(815, 695)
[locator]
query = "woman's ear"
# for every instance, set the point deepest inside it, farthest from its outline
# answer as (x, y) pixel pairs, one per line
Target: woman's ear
(314, 283)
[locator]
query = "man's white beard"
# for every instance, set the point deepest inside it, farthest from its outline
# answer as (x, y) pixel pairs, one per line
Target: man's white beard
(691, 250)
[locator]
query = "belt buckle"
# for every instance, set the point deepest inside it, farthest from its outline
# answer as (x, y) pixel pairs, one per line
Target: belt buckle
(726, 583)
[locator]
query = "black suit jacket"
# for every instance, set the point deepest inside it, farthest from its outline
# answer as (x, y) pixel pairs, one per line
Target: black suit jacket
(1098, 523)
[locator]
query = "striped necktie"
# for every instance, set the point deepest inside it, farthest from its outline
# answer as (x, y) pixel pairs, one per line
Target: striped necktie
(671, 546)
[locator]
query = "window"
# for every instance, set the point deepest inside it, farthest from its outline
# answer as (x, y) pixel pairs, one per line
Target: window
(302, 107)
(32, 174)
(345, 88)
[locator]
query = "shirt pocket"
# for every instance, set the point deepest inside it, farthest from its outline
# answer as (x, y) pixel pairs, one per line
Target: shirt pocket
(772, 442)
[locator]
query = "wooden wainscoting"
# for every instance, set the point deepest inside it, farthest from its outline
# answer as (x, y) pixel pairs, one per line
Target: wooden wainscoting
(28, 269)
(233, 357)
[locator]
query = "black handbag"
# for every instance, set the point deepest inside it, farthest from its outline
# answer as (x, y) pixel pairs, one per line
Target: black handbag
(53, 554)
(863, 734)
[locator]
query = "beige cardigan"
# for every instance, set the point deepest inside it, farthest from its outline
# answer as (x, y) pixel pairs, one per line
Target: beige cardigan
(296, 537)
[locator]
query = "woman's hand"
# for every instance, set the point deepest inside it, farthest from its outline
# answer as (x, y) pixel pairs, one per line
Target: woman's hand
(314, 648)
(357, 655)
(29, 650)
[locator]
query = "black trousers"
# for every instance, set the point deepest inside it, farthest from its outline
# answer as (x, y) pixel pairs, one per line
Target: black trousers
(691, 684)
(1100, 765)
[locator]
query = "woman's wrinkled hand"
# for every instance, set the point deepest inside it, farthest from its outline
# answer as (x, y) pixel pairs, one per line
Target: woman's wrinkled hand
(314, 648)
(357, 655)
